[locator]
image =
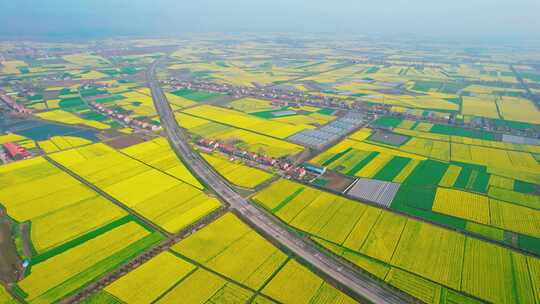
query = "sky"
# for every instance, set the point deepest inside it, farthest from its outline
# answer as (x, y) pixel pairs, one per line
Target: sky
(513, 19)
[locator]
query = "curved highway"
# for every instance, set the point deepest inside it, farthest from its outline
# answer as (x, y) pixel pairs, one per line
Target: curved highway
(364, 286)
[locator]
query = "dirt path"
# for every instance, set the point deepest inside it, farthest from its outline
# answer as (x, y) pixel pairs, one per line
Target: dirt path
(24, 233)
(10, 262)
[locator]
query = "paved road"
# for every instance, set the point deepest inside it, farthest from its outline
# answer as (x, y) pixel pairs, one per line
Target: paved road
(364, 286)
(525, 86)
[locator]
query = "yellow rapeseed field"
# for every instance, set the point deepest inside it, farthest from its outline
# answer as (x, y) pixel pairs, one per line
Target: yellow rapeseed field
(515, 218)
(12, 66)
(250, 141)
(249, 105)
(71, 119)
(426, 135)
(450, 176)
(296, 284)
(179, 101)
(231, 248)
(59, 207)
(374, 165)
(518, 109)
(466, 205)
(201, 287)
(501, 182)
(496, 158)
(144, 106)
(245, 121)
(418, 287)
(534, 271)
(384, 236)
(53, 228)
(362, 146)
(429, 101)
(361, 134)
(56, 143)
(406, 171)
(424, 127)
(5, 297)
(432, 252)
(360, 231)
(271, 196)
(11, 137)
(85, 59)
(158, 154)
(164, 199)
(434, 149)
(237, 173)
(523, 199)
(480, 106)
(142, 285)
(302, 120)
(57, 270)
(488, 275)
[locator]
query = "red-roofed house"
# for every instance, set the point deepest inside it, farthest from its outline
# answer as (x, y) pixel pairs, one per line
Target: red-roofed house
(15, 151)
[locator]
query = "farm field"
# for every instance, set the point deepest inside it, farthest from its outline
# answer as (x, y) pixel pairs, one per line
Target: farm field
(430, 152)
(243, 121)
(351, 156)
(86, 59)
(296, 284)
(142, 188)
(158, 154)
(194, 96)
(225, 262)
(237, 173)
(462, 204)
(518, 109)
(5, 297)
(59, 209)
(231, 248)
(431, 102)
(141, 285)
(59, 275)
(57, 143)
(250, 105)
(203, 286)
(502, 267)
(514, 218)
(390, 239)
(138, 103)
(480, 107)
(71, 119)
(238, 72)
(243, 139)
(313, 119)
(447, 175)
(13, 66)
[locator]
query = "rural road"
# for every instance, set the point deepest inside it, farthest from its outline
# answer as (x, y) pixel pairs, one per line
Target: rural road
(364, 286)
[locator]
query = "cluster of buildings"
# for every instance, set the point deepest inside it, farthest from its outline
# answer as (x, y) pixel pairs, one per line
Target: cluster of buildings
(476, 123)
(134, 123)
(283, 96)
(12, 104)
(286, 97)
(286, 167)
(16, 152)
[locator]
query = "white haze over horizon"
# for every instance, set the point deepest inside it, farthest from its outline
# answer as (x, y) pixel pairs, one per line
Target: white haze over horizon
(452, 19)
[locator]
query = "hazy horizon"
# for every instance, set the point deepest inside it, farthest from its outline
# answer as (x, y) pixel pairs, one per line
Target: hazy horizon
(470, 20)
